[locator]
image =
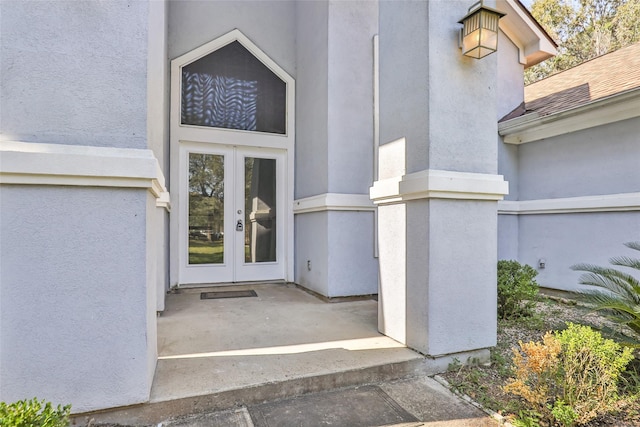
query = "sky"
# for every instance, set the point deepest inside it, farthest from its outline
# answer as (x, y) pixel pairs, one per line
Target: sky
(527, 3)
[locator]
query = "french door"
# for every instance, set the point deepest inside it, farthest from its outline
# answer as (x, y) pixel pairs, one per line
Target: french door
(232, 146)
(232, 205)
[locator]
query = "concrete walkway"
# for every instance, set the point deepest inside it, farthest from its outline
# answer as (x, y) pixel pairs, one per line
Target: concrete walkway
(409, 402)
(285, 352)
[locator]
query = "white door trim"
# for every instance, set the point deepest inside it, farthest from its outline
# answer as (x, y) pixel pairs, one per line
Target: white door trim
(179, 132)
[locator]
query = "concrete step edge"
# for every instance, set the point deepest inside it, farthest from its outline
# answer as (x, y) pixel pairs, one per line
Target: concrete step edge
(153, 413)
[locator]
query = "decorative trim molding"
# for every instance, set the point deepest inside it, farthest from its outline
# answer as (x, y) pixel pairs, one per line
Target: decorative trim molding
(439, 184)
(533, 127)
(534, 45)
(604, 203)
(56, 164)
(333, 202)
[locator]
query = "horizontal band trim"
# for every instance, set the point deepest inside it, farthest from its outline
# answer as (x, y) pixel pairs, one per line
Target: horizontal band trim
(333, 202)
(57, 164)
(602, 203)
(439, 184)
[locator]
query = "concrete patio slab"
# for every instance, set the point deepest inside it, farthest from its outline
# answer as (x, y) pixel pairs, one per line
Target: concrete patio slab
(210, 346)
(217, 356)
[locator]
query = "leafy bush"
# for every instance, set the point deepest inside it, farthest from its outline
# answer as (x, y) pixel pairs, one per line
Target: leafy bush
(517, 289)
(591, 366)
(33, 413)
(617, 294)
(571, 376)
(536, 373)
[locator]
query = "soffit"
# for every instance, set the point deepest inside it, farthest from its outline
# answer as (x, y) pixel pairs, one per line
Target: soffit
(533, 42)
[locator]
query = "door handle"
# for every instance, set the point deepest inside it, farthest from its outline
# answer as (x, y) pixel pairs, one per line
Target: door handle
(239, 226)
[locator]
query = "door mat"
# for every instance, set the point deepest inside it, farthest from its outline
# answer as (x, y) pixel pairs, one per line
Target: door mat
(363, 406)
(228, 294)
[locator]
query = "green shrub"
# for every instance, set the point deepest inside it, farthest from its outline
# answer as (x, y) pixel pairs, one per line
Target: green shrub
(33, 413)
(591, 367)
(571, 376)
(613, 292)
(517, 290)
(564, 414)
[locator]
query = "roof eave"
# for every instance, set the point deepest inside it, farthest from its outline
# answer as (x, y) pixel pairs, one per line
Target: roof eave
(534, 127)
(533, 42)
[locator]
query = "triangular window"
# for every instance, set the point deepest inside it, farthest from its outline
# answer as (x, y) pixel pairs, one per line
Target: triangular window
(230, 88)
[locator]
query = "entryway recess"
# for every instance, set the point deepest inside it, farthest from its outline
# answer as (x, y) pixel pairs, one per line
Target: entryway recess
(232, 142)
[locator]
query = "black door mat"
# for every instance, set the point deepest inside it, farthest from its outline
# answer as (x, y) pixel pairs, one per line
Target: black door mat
(228, 294)
(363, 406)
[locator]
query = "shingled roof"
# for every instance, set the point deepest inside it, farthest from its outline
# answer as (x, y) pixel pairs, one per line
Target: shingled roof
(606, 75)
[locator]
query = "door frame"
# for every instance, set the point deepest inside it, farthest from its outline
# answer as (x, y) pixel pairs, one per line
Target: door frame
(181, 134)
(234, 268)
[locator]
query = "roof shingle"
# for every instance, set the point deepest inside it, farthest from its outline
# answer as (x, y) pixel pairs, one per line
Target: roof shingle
(598, 78)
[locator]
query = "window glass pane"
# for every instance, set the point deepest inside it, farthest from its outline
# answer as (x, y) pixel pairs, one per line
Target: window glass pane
(206, 208)
(260, 210)
(230, 88)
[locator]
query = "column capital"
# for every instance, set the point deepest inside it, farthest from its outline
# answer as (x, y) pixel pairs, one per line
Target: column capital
(439, 184)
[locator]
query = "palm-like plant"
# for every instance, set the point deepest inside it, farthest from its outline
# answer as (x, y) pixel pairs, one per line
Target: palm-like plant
(618, 293)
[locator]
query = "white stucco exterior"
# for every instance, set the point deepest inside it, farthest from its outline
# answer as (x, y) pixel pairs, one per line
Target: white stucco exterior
(88, 149)
(83, 202)
(578, 201)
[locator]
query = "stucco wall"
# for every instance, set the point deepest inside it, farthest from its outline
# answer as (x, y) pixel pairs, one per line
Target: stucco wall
(600, 160)
(462, 113)
(334, 144)
(156, 280)
(451, 250)
(510, 84)
(74, 72)
(80, 263)
(268, 24)
(442, 106)
(158, 90)
(353, 270)
(74, 308)
(567, 239)
(404, 105)
(312, 111)
(352, 26)
(311, 245)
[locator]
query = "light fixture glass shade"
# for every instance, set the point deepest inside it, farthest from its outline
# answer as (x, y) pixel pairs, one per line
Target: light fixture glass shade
(480, 32)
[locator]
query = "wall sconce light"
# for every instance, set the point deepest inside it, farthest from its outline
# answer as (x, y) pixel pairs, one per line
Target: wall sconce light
(479, 37)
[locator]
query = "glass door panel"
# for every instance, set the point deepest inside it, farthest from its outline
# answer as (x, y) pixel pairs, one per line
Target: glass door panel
(206, 209)
(260, 195)
(232, 232)
(260, 210)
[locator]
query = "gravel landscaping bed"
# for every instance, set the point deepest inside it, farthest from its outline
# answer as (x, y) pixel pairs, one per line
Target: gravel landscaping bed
(484, 383)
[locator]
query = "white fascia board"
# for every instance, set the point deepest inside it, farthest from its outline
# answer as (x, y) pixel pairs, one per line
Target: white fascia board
(533, 44)
(439, 184)
(601, 203)
(333, 202)
(533, 127)
(57, 164)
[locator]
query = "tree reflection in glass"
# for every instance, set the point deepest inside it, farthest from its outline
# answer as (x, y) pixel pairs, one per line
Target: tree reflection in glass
(206, 208)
